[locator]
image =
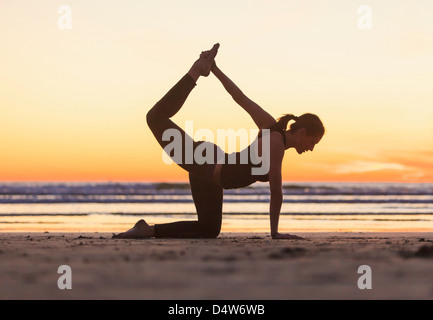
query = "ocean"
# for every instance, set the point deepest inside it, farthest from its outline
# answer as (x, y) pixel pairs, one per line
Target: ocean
(307, 207)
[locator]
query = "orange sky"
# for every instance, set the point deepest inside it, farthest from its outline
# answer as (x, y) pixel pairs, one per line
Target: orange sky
(73, 102)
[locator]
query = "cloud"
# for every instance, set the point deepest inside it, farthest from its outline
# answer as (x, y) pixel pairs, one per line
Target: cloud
(414, 159)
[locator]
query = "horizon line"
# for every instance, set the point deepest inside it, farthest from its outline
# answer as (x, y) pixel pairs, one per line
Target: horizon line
(187, 182)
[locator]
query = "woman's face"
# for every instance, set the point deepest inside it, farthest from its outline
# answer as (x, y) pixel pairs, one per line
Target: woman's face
(305, 142)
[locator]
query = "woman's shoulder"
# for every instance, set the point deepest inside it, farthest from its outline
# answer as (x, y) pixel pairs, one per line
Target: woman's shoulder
(268, 125)
(276, 138)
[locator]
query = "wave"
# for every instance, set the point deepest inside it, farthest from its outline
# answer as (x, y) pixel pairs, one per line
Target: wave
(42, 214)
(183, 188)
(193, 214)
(33, 199)
(180, 193)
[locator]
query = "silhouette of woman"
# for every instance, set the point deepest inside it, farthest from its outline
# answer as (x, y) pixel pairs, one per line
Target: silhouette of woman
(208, 180)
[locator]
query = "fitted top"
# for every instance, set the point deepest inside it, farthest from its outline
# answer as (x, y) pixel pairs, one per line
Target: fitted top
(240, 174)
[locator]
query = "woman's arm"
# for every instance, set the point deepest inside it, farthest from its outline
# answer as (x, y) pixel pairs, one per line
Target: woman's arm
(260, 117)
(275, 185)
(275, 182)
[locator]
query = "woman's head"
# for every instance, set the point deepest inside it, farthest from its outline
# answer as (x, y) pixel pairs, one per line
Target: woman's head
(307, 130)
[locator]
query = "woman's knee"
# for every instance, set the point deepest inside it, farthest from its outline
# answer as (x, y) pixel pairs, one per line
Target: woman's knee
(151, 117)
(211, 235)
(211, 231)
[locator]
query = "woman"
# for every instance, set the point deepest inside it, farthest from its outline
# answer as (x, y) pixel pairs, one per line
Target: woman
(209, 179)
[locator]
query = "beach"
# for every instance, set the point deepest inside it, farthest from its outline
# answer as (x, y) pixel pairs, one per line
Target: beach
(247, 266)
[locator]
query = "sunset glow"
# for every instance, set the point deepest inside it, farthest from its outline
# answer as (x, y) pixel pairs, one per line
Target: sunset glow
(73, 102)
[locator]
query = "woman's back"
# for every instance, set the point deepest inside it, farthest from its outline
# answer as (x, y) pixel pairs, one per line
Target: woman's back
(238, 168)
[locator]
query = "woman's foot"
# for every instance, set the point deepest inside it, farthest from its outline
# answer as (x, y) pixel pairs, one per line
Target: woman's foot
(139, 231)
(202, 66)
(210, 54)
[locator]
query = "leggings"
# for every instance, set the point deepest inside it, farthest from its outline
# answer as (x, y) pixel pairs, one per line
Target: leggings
(207, 196)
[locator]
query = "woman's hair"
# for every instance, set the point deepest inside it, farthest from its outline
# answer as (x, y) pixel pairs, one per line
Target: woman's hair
(312, 124)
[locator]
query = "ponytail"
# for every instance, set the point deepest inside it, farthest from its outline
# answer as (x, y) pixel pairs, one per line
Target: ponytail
(282, 122)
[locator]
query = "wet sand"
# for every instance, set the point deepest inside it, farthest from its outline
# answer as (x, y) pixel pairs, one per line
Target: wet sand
(234, 266)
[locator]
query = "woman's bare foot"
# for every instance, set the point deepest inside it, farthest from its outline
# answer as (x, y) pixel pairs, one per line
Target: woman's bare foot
(202, 66)
(139, 231)
(210, 54)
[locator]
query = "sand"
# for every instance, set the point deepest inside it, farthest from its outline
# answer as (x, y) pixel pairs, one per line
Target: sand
(234, 266)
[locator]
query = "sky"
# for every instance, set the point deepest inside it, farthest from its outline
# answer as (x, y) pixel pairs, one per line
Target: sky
(73, 101)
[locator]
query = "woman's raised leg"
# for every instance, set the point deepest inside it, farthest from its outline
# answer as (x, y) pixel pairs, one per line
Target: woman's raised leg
(207, 196)
(158, 118)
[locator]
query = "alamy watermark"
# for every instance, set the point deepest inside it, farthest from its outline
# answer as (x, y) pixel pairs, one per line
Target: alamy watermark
(182, 150)
(365, 19)
(65, 280)
(64, 21)
(365, 281)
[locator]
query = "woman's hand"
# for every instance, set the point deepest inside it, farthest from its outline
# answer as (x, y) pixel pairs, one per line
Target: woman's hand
(204, 54)
(213, 66)
(286, 236)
